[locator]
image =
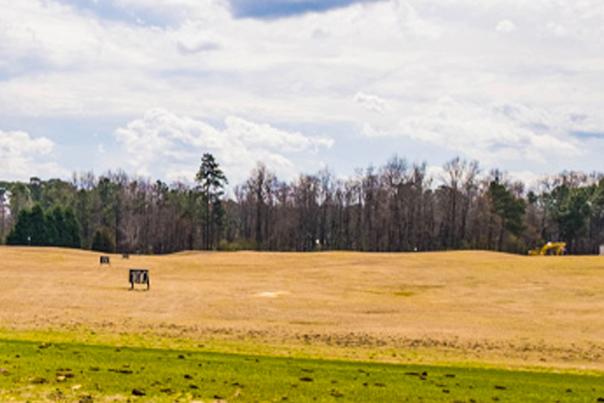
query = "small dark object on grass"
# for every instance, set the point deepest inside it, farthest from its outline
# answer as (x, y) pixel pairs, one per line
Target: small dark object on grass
(449, 375)
(39, 381)
(193, 386)
(138, 392)
(121, 371)
(166, 391)
(306, 379)
(498, 387)
(187, 376)
(336, 393)
(95, 369)
(86, 399)
(446, 391)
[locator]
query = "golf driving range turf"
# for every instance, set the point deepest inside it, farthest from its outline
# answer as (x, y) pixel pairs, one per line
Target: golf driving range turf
(64, 371)
(453, 327)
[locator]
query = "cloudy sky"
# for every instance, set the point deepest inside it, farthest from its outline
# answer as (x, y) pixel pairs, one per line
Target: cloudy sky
(149, 85)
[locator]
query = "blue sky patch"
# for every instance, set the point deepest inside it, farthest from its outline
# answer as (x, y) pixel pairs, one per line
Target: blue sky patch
(284, 8)
(262, 9)
(108, 10)
(588, 135)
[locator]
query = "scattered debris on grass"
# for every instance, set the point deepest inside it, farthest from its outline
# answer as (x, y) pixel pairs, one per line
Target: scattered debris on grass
(39, 381)
(138, 392)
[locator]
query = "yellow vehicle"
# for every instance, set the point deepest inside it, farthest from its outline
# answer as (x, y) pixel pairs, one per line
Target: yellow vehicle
(550, 248)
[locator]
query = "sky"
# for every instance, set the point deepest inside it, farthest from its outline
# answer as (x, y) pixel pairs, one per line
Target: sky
(148, 86)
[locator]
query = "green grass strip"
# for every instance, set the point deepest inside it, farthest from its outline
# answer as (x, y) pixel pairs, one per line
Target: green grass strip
(44, 371)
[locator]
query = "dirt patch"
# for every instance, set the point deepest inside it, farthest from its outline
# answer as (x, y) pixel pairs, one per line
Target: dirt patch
(271, 294)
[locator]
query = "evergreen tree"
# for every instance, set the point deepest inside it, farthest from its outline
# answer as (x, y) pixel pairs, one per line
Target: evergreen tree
(31, 228)
(572, 214)
(54, 227)
(508, 208)
(37, 227)
(57, 227)
(211, 182)
(21, 232)
(71, 235)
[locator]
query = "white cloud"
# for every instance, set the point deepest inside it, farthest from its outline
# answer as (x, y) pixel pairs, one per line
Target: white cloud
(60, 62)
(261, 67)
(22, 156)
(557, 29)
(411, 23)
(176, 143)
(529, 178)
(492, 133)
(371, 102)
(505, 26)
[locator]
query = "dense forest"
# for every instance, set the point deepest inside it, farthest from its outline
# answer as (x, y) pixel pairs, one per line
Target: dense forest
(395, 207)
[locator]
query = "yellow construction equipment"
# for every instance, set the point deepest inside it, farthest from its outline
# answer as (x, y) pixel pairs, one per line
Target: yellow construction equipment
(550, 248)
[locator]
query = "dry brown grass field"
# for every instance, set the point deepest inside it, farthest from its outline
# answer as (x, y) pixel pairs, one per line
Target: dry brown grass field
(464, 306)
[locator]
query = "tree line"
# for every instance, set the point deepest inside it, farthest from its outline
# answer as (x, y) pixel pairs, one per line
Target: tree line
(55, 227)
(395, 207)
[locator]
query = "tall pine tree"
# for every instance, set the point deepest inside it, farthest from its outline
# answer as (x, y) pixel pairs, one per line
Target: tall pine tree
(211, 182)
